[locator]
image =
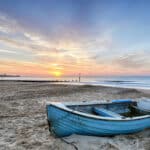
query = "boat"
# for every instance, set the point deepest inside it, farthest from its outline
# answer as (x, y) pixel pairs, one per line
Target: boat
(97, 118)
(142, 107)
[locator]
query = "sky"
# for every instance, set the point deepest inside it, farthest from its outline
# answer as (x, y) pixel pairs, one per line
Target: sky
(66, 37)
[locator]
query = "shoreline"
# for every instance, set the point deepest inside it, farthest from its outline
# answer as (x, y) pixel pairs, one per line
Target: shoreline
(11, 80)
(24, 121)
(73, 82)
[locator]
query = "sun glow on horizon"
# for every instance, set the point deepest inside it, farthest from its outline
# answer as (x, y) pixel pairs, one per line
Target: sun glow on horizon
(57, 74)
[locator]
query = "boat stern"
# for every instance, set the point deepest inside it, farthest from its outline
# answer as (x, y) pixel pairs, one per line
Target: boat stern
(56, 120)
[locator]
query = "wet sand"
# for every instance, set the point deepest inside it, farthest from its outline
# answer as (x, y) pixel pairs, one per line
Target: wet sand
(23, 123)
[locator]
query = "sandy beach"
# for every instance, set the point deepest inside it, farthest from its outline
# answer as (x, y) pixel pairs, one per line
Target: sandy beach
(23, 123)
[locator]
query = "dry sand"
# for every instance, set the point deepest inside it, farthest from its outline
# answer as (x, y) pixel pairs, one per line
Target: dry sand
(23, 122)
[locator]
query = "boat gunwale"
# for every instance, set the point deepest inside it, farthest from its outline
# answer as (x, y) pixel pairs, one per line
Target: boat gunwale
(59, 105)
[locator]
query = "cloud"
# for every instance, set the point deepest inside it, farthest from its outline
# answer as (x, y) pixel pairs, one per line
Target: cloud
(14, 35)
(22, 68)
(67, 48)
(7, 25)
(7, 51)
(137, 60)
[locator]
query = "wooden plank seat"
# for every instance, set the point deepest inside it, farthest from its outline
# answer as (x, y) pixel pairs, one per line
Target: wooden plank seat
(106, 113)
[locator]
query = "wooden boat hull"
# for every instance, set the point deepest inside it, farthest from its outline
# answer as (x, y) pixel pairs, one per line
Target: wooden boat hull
(64, 123)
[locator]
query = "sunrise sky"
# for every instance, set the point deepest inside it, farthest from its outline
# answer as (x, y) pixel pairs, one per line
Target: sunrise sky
(67, 37)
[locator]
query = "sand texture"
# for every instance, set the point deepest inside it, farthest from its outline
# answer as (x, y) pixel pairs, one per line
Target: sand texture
(23, 122)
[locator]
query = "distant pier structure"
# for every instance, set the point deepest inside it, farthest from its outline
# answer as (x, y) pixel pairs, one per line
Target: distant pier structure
(79, 77)
(8, 75)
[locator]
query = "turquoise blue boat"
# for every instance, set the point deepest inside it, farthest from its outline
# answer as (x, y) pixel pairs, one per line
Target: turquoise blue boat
(98, 119)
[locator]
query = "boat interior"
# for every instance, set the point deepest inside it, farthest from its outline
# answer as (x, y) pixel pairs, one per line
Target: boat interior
(116, 109)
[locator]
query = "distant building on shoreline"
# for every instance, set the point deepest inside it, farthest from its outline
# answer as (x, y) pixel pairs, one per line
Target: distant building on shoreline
(8, 75)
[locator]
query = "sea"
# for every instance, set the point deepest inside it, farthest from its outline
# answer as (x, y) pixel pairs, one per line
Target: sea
(137, 82)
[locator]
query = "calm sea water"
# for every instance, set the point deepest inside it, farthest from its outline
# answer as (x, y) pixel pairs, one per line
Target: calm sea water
(142, 82)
